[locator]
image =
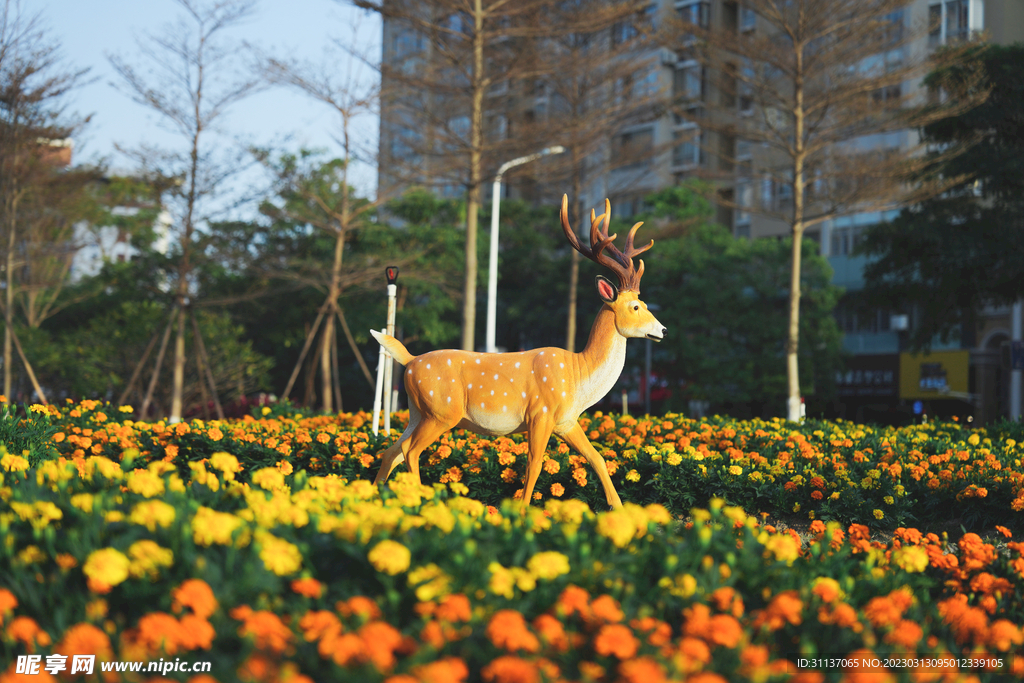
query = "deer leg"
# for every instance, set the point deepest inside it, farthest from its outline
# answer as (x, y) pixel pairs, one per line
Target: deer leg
(538, 437)
(426, 433)
(393, 456)
(577, 439)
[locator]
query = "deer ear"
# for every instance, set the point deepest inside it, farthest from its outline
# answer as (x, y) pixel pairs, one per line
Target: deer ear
(606, 289)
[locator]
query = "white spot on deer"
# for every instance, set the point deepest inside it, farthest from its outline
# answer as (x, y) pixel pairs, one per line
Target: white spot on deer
(449, 399)
(517, 365)
(492, 392)
(506, 393)
(524, 394)
(431, 392)
(561, 365)
(563, 393)
(481, 405)
(495, 377)
(545, 409)
(470, 386)
(542, 353)
(478, 361)
(545, 379)
(438, 379)
(428, 366)
(449, 361)
(504, 409)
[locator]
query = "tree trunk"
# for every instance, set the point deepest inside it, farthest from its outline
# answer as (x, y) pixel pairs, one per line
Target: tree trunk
(473, 200)
(793, 404)
(178, 376)
(9, 305)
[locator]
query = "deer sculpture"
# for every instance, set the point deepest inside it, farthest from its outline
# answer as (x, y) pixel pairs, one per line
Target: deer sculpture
(542, 391)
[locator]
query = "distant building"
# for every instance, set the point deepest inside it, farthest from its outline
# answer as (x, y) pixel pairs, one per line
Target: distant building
(968, 376)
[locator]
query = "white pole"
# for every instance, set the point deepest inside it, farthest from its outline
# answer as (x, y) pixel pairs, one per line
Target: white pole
(389, 362)
(492, 270)
(1015, 374)
(379, 388)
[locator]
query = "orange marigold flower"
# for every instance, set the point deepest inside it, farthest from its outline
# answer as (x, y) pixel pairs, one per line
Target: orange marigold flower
(342, 648)
(574, 599)
(448, 670)
(196, 633)
(507, 630)
(697, 620)
(1004, 531)
(7, 603)
(197, 595)
(159, 632)
(725, 630)
(1003, 635)
(308, 587)
(557, 490)
(401, 678)
(360, 605)
(827, 589)
(642, 670)
(267, 630)
(551, 632)
(906, 633)
(617, 640)
(784, 607)
(381, 639)
(754, 655)
(454, 608)
(606, 608)
(706, 677)
(26, 630)
(509, 669)
(85, 639)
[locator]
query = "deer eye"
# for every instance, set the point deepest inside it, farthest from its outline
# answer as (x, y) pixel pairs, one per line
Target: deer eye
(636, 307)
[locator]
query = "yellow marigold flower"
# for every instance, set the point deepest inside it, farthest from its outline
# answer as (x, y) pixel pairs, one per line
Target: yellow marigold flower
(878, 514)
(105, 569)
(126, 409)
(201, 476)
(152, 513)
(390, 557)
(210, 526)
(82, 501)
(105, 466)
(278, 555)
(548, 565)
(674, 459)
(889, 500)
(430, 581)
(974, 439)
(632, 475)
(784, 547)
(735, 470)
(438, 515)
(146, 559)
(912, 558)
(269, 478)
(502, 581)
(30, 555)
(618, 526)
(145, 483)
(226, 463)
(13, 463)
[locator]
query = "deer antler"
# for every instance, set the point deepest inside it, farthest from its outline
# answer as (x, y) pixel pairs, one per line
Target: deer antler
(621, 263)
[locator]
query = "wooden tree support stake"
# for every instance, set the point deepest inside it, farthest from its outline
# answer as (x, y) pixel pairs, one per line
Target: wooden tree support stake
(305, 350)
(28, 367)
(355, 348)
(156, 370)
(204, 362)
(138, 369)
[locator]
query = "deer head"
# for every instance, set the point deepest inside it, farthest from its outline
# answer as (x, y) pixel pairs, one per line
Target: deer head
(632, 318)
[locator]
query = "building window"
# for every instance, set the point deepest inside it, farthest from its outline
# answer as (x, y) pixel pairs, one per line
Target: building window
(744, 200)
(934, 25)
(689, 84)
(686, 150)
(748, 19)
(696, 13)
(633, 149)
(953, 20)
(406, 41)
(625, 31)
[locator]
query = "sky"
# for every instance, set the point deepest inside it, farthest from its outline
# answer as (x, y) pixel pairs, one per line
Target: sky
(90, 31)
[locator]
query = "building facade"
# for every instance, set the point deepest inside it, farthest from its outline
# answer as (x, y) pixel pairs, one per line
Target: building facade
(967, 376)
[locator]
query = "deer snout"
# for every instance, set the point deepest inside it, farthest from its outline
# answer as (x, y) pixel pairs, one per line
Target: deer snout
(656, 332)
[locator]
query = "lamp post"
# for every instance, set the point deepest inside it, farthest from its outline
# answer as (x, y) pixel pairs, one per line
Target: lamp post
(492, 273)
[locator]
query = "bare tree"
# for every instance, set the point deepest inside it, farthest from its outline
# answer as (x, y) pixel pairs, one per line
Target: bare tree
(827, 94)
(598, 72)
(34, 145)
(460, 59)
(189, 75)
(334, 208)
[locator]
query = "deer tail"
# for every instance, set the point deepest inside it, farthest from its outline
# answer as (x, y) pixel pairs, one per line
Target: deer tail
(395, 348)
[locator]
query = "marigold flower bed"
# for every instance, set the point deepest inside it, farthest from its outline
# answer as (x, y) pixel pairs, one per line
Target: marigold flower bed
(261, 546)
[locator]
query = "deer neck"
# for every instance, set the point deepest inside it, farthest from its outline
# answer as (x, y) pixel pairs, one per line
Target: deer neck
(601, 362)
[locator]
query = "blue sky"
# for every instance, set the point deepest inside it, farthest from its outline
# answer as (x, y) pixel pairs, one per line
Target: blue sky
(90, 30)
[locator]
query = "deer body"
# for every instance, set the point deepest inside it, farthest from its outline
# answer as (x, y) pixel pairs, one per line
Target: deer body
(541, 392)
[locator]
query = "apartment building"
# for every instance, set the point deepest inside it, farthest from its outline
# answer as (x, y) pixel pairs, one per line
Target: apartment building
(882, 382)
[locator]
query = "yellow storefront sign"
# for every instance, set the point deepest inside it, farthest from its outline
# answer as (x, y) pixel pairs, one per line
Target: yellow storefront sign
(934, 375)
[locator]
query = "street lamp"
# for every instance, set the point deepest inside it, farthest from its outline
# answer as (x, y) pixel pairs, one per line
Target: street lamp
(492, 273)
